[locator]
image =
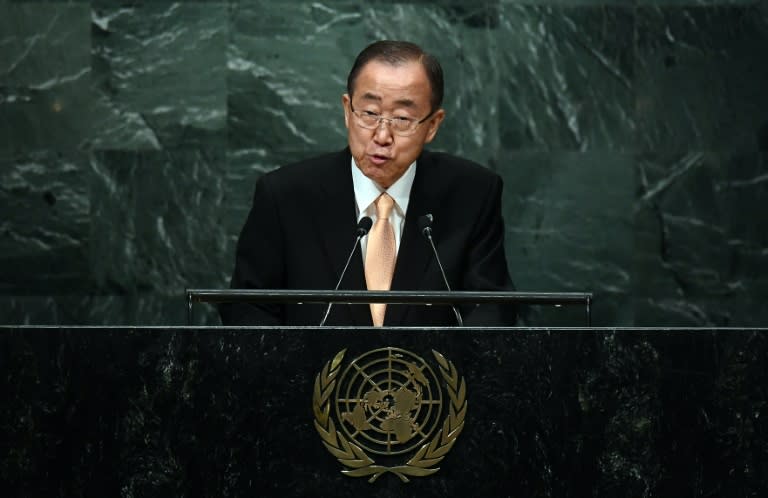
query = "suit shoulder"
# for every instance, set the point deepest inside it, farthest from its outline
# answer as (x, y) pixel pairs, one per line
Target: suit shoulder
(308, 171)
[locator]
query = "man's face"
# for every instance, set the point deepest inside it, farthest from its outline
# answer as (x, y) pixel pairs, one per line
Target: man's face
(389, 91)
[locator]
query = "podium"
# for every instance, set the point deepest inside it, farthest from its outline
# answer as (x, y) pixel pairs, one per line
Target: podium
(240, 411)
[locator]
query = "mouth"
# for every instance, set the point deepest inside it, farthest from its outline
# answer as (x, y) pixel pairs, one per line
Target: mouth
(378, 159)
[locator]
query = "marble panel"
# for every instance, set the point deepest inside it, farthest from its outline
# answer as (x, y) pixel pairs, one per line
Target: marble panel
(44, 77)
(157, 221)
(45, 224)
(44, 45)
(160, 74)
(286, 74)
(701, 239)
(701, 78)
(566, 78)
(568, 217)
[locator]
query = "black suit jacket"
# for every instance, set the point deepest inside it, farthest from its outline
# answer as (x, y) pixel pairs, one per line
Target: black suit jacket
(302, 226)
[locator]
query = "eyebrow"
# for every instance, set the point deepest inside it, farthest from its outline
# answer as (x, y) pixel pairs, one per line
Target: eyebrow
(399, 102)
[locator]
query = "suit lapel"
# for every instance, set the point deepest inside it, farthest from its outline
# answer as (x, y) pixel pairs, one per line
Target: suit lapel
(414, 254)
(336, 220)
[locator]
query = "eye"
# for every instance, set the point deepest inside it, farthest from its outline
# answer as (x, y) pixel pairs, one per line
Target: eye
(402, 120)
(369, 114)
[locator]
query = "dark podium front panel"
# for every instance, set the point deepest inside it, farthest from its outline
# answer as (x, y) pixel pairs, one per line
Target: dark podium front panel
(187, 412)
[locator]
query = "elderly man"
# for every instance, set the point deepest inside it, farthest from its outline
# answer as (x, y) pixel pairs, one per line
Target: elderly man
(302, 223)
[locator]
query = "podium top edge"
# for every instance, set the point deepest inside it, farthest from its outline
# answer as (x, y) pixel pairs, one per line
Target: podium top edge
(390, 297)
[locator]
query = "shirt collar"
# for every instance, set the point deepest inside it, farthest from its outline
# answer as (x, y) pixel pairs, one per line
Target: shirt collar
(366, 190)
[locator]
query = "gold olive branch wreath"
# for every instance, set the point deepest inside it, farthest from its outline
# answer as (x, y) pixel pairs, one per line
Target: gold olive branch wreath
(358, 463)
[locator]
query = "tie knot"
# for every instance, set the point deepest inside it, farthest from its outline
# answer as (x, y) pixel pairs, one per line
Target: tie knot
(384, 205)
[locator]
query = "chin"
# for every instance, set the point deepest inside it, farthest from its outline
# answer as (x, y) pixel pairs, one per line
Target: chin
(373, 172)
(377, 177)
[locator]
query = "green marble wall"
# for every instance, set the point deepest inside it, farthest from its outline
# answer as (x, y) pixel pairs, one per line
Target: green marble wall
(632, 136)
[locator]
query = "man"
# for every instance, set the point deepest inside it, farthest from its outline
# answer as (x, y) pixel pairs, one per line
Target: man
(302, 223)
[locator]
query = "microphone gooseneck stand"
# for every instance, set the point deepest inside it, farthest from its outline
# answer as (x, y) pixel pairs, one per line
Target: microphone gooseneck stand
(363, 226)
(425, 226)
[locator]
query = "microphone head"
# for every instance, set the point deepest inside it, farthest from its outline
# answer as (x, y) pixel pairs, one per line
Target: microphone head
(425, 224)
(364, 226)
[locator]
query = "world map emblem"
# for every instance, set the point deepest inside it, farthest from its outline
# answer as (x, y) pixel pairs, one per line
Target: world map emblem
(389, 411)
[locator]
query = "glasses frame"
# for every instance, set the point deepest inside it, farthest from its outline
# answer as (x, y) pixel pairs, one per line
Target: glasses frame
(389, 121)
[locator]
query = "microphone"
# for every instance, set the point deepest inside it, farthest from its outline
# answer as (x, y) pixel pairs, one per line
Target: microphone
(425, 226)
(363, 226)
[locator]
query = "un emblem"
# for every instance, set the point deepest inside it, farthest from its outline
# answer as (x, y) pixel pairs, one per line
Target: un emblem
(389, 403)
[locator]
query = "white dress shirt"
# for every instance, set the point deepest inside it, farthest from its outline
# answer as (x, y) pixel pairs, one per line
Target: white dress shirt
(367, 191)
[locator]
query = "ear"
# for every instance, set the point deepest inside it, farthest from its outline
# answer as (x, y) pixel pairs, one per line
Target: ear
(434, 124)
(345, 102)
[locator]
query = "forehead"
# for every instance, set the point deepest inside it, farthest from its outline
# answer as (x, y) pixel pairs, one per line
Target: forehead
(390, 83)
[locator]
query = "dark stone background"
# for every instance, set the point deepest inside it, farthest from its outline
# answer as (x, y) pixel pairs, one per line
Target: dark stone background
(632, 136)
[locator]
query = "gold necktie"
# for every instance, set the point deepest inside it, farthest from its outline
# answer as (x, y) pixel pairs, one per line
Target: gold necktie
(380, 255)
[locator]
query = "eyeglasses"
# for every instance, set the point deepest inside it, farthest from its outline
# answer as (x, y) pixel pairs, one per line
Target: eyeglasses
(401, 126)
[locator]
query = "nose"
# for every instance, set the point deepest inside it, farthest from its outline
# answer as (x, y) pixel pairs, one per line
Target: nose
(382, 135)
